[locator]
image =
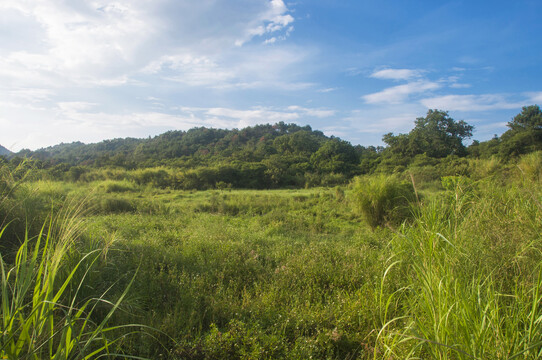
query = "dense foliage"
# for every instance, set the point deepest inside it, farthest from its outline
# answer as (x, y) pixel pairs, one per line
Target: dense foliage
(436, 135)
(283, 155)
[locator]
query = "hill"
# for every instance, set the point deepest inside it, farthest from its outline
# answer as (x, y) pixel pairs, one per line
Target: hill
(259, 156)
(4, 151)
(285, 155)
(194, 147)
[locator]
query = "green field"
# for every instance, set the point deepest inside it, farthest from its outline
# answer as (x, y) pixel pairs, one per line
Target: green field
(453, 272)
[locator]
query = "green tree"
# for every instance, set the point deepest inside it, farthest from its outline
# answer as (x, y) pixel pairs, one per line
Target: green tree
(529, 119)
(335, 156)
(525, 134)
(301, 143)
(436, 135)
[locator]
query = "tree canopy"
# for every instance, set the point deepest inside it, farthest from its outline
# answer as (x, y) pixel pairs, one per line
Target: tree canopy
(525, 134)
(436, 135)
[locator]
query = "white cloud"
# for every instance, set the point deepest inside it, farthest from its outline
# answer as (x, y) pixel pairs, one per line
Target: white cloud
(453, 82)
(327, 90)
(275, 18)
(482, 102)
(75, 106)
(340, 131)
(398, 123)
(400, 93)
(28, 95)
(243, 118)
(190, 70)
(396, 74)
(79, 40)
(371, 123)
(535, 97)
(99, 43)
(238, 118)
(318, 113)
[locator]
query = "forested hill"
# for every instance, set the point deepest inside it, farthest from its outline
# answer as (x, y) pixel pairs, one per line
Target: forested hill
(280, 153)
(285, 155)
(199, 146)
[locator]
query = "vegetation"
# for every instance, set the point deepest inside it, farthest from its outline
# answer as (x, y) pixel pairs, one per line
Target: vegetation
(282, 155)
(436, 135)
(403, 255)
(42, 312)
(384, 199)
(4, 151)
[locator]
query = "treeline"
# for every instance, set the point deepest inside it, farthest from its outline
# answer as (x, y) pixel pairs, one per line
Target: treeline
(282, 155)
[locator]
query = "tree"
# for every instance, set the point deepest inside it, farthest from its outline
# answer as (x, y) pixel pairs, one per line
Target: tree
(335, 156)
(436, 135)
(529, 119)
(302, 143)
(525, 134)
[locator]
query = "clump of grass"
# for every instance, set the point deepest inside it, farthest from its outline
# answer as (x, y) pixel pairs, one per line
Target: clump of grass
(41, 312)
(16, 202)
(383, 199)
(112, 186)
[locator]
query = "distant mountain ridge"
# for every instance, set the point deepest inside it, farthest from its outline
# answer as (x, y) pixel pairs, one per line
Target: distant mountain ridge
(4, 151)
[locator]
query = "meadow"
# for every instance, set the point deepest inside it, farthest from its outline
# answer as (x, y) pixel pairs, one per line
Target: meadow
(404, 266)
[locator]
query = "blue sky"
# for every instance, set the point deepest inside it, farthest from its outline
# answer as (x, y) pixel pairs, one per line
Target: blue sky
(77, 70)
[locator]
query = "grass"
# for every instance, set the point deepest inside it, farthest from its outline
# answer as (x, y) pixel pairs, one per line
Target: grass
(42, 312)
(298, 274)
(474, 289)
(40, 318)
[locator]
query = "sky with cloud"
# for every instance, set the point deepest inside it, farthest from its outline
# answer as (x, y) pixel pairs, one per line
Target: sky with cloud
(89, 70)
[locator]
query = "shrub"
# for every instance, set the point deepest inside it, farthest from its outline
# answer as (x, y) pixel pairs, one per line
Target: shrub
(156, 177)
(383, 199)
(424, 174)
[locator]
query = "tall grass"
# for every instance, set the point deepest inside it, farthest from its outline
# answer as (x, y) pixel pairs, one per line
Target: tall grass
(384, 199)
(472, 279)
(41, 312)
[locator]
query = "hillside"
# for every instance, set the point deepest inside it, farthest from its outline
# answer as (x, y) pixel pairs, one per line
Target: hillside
(4, 151)
(201, 145)
(286, 155)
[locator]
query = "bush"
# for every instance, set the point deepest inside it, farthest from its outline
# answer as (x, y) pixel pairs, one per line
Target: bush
(383, 199)
(156, 177)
